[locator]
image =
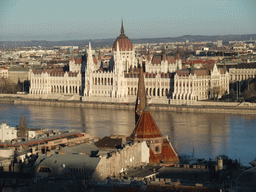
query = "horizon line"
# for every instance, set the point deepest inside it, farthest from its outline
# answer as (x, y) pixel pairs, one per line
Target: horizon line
(129, 38)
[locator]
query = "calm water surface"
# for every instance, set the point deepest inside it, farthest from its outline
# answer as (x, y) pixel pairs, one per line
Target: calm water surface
(208, 134)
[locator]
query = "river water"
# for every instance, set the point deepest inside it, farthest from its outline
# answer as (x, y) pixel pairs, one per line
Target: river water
(208, 135)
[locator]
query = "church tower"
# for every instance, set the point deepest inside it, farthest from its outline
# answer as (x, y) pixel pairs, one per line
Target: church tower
(141, 101)
(146, 129)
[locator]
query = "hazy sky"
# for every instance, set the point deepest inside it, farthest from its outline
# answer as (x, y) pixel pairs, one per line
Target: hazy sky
(81, 19)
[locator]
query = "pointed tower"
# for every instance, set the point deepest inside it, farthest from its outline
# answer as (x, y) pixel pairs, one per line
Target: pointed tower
(122, 28)
(89, 59)
(146, 129)
(141, 101)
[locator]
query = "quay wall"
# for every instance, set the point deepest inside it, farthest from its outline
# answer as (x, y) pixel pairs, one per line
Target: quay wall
(199, 107)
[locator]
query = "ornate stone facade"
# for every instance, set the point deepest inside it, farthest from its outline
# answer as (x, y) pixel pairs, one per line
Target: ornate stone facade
(163, 64)
(118, 83)
(201, 84)
(242, 72)
(46, 82)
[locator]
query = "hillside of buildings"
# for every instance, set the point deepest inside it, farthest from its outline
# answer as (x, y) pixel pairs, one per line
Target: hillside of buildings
(108, 42)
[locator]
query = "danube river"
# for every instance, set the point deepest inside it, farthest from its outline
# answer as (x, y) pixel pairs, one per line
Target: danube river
(208, 134)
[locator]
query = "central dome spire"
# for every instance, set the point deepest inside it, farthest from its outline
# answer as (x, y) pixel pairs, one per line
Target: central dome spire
(122, 27)
(124, 42)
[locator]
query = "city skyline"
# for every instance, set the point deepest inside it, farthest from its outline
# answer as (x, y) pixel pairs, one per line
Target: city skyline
(63, 20)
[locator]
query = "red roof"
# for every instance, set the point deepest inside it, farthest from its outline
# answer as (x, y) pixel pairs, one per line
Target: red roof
(208, 67)
(48, 70)
(95, 60)
(146, 127)
(156, 60)
(183, 72)
(201, 61)
(149, 57)
(170, 59)
(168, 154)
(78, 61)
(200, 72)
(124, 43)
(153, 158)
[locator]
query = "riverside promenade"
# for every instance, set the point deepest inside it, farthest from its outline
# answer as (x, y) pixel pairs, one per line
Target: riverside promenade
(198, 107)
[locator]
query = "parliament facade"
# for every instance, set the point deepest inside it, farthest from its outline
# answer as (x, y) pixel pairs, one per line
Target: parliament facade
(164, 78)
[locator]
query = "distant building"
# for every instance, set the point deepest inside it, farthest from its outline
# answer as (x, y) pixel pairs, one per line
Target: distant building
(242, 72)
(48, 81)
(219, 43)
(18, 74)
(7, 133)
(117, 83)
(201, 84)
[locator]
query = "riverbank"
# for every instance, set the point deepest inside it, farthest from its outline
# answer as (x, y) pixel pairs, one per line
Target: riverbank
(199, 107)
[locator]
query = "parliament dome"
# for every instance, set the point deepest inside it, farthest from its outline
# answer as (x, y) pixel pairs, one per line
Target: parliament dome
(124, 42)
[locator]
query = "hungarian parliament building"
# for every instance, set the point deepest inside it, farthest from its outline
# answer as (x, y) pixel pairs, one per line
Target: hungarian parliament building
(165, 79)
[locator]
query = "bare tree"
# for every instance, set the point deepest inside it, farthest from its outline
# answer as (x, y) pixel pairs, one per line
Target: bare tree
(7, 86)
(23, 127)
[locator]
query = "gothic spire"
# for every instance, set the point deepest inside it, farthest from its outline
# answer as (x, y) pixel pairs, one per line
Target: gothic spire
(90, 50)
(122, 28)
(141, 101)
(89, 58)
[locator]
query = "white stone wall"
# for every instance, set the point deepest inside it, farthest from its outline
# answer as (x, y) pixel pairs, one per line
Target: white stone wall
(7, 153)
(241, 74)
(131, 155)
(195, 87)
(7, 132)
(73, 67)
(46, 84)
(128, 59)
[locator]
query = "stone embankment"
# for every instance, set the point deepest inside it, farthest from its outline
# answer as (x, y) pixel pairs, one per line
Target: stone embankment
(199, 107)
